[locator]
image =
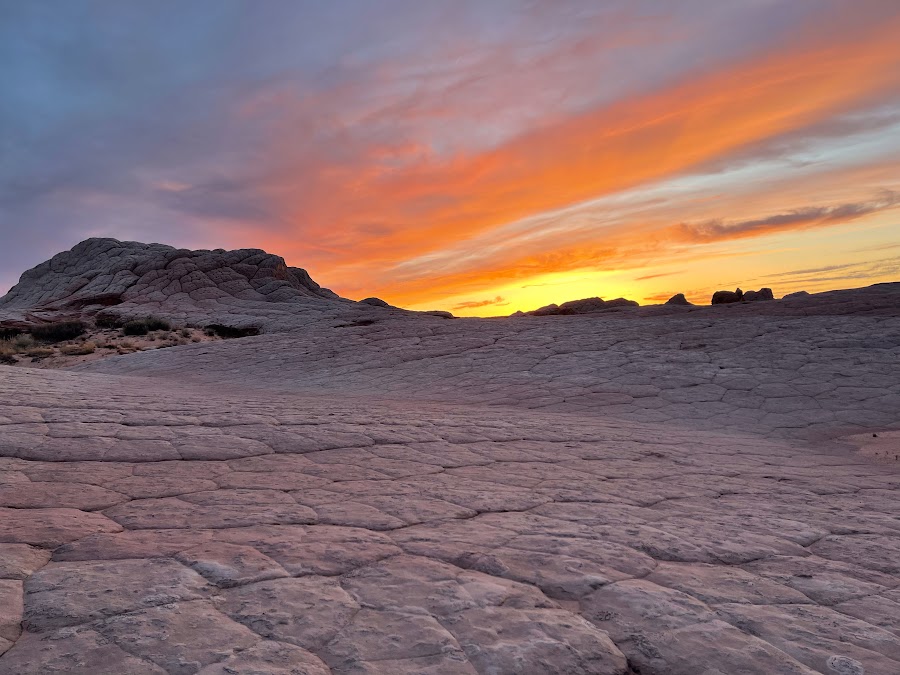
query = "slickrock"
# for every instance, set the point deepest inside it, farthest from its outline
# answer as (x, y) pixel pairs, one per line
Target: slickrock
(668, 490)
(713, 368)
(246, 288)
(447, 540)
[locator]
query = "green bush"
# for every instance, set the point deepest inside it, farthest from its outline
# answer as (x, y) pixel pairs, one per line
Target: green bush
(58, 332)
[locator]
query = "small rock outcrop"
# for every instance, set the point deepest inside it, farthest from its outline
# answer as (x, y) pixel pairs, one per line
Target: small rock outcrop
(727, 297)
(679, 299)
(757, 296)
(583, 306)
(798, 294)
(374, 302)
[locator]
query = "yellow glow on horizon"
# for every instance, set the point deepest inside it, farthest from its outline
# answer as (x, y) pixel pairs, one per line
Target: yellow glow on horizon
(752, 265)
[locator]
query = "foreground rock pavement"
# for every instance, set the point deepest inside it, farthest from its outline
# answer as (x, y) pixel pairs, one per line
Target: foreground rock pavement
(152, 526)
(669, 490)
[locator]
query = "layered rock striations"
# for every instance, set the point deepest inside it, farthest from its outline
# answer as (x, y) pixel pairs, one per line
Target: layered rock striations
(130, 279)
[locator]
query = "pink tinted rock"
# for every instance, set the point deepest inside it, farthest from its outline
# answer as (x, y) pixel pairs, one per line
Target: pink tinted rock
(49, 528)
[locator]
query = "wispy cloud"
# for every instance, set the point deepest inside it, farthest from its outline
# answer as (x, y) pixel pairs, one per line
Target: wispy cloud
(475, 304)
(810, 216)
(657, 276)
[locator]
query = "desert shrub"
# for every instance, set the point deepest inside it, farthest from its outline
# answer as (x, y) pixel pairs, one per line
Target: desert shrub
(8, 333)
(144, 326)
(58, 331)
(136, 327)
(22, 342)
(185, 333)
(231, 331)
(79, 349)
(39, 352)
(106, 320)
(155, 323)
(7, 352)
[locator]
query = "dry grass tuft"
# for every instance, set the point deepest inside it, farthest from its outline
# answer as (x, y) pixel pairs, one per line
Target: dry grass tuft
(78, 349)
(7, 352)
(40, 352)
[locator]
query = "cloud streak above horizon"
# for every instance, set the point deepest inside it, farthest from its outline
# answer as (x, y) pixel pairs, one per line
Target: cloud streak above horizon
(461, 155)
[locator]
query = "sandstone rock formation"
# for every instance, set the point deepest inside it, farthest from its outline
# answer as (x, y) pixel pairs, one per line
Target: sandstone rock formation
(798, 294)
(678, 299)
(727, 297)
(131, 279)
(756, 296)
(375, 302)
(663, 492)
(584, 306)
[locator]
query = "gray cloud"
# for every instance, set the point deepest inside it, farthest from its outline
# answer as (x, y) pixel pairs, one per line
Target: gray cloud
(715, 230)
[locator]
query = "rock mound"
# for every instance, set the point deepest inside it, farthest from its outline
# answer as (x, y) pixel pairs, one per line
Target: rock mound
(583, 306)
(105, 272)
(727, 297)
(131, 279)
(757, 296)
(375, 302)
(679, 299)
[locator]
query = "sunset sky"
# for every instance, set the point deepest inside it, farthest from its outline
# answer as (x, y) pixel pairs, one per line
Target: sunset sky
(478, 157)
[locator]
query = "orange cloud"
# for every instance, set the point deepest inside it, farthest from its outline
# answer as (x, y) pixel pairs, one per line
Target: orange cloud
(475, 304)
(355, 218)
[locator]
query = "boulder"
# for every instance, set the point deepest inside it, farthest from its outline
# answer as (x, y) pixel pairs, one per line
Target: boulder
(798, 294)
(678, 299)
(756, 296)
(727, 297)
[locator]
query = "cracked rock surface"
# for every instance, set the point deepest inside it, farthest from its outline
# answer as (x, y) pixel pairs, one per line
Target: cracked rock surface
(129, 279)
(590, 494)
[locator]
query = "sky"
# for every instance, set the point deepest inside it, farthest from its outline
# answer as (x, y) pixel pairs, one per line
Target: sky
(479, 157)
